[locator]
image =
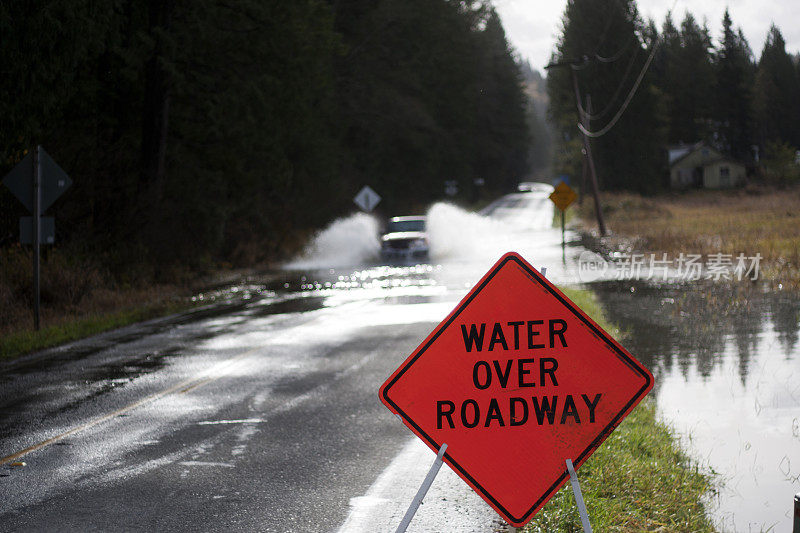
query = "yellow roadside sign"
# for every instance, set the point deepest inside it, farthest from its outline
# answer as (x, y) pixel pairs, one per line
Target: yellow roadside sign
(563, 196)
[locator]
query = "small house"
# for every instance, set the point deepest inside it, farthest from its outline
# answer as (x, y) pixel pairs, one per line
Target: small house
(701, 166)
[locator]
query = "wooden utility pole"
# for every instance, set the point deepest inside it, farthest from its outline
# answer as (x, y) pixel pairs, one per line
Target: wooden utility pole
(587, 149)
(584, 171)
(601, 225)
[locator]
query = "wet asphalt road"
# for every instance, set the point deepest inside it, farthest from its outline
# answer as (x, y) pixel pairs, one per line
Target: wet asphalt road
(273, 426)
(258, 415)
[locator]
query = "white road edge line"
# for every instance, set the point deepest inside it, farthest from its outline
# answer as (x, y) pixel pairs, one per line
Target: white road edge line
(450, 505)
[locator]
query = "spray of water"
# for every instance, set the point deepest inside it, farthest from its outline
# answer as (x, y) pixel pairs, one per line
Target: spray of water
(458, 234)
(348, 241)
(528, 211)
(453, 233)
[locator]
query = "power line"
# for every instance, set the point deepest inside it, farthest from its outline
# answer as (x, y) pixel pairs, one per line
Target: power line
(631, 93)
(613, 99)
(613, 122)
(615, 57)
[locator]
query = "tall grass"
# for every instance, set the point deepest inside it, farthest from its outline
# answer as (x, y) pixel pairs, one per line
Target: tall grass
(750, 221)
(78, 299)
(68, 329)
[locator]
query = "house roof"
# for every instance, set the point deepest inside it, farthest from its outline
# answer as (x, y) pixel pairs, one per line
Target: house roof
(690, 149)
(678, 151)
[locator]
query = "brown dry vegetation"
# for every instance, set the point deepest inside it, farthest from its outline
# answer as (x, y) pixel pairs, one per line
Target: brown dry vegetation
(81, 296)
(73, 291)
(750, 221)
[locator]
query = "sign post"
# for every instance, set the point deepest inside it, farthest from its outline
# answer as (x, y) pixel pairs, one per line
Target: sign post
(562, 197)
(423, 490)
(37, 181)
(37, 231)
(516, 380)
(576, 491)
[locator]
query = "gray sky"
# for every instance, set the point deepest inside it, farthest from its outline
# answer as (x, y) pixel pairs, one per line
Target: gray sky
(532, 25)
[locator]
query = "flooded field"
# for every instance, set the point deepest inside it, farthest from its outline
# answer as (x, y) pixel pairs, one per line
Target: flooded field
(726, 359)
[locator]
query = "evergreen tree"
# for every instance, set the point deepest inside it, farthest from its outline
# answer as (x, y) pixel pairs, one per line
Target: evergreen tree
(688, 81)
(601, 42)
(502, 131)
(733, 94)
(540, 150)
(777, 93)
(211, 129)
(429, 93)
(668, 48)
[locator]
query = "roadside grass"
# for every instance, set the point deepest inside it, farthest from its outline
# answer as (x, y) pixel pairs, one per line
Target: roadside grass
(70, 328)
(638, 479)
(754, 220)
(78, 299)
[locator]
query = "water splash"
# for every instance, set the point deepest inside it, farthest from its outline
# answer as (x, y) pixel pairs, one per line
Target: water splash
(348, 241)
(454, 234)
(458, 234)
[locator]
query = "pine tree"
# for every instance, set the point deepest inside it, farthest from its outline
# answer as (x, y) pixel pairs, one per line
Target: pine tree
(212, 129)
(601, 40)
(733, 94)
(429, 93)
(503, 141)
(777, 93)
(688, 81)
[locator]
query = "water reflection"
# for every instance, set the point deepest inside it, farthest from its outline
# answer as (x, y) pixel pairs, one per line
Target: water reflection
(727, 365)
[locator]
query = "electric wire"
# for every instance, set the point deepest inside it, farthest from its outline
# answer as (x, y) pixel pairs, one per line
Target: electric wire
(617, 91)
(615, 57)
(631, 93)
(611, 59)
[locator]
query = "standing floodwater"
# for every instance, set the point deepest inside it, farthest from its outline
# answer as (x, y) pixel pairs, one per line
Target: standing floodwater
(727, 365)
(726, 357)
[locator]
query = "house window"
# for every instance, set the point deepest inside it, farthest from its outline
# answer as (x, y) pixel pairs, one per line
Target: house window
(724, 176)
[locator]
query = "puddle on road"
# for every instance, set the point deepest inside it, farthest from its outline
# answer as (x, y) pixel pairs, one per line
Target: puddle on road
(727, 365)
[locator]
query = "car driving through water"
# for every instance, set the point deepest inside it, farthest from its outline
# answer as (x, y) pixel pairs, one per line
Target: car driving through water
(405, 238)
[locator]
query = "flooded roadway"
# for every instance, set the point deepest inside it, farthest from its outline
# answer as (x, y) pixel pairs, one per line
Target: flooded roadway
(262, 414)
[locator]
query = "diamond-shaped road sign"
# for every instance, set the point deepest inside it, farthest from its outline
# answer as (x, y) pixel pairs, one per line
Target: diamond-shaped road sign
(516, 380)
(54, 180)
(367, 199)
(563, 196)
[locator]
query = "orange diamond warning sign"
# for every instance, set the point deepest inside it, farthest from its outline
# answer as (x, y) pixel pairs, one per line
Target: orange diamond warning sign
(563, 196)
(516, 380)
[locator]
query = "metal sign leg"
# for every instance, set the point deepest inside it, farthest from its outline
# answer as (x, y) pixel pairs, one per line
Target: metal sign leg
(576, 490)
(423, 490)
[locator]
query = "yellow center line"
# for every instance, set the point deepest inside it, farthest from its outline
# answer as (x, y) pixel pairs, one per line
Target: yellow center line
(184, 386)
